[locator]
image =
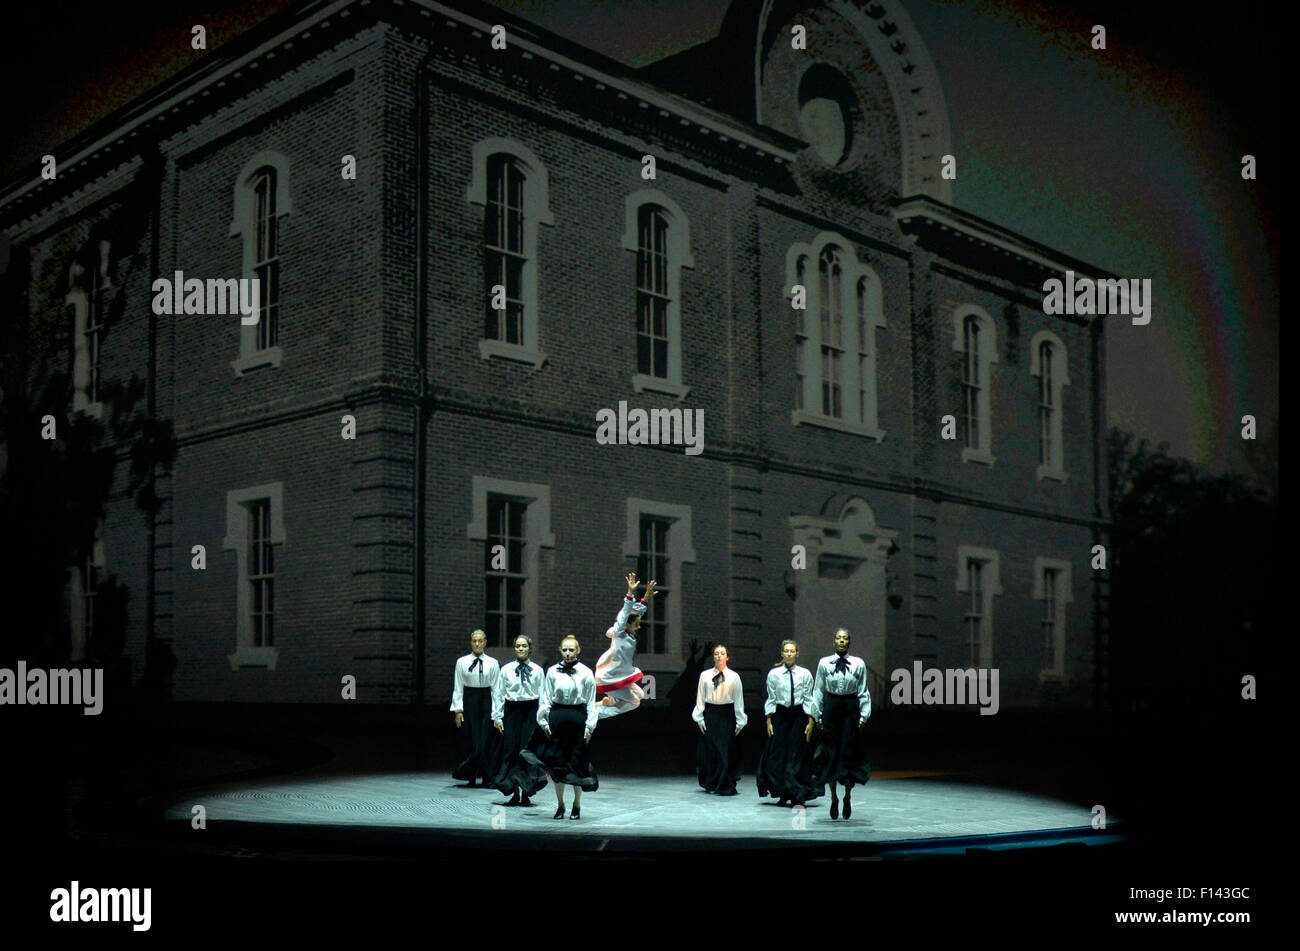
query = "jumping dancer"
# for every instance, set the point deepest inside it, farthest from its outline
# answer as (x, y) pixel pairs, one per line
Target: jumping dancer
(841, 704)
(616, 677)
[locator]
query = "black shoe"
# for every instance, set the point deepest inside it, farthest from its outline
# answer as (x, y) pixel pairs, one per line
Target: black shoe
(848, 807)
(835, 808)
(796, 803)
(525, 801)
(783, 802)
(575, 813)
(471, 782)
(559, 813)
(514, 800)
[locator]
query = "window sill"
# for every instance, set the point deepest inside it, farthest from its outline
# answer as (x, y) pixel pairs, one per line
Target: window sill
(510, 351)
(271, 356)
(253, 657)
(978, 455)
(803, 418)
(90, 409)
(1044, 472)
(642, 382)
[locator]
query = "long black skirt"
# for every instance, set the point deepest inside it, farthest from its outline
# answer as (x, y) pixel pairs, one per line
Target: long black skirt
(717, 754)
(510, 773)
(563, 754)
(839, 757)
(785, 767)
(478, 738)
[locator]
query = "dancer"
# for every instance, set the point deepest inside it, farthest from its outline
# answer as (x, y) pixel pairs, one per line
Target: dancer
(720, 714)
(471, 701)
(616, 678)
(841, 704)
(784, 767)
(566, 712)
(514, 714)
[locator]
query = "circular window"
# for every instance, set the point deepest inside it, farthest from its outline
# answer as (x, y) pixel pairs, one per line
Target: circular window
(823, 124)
(826, 109)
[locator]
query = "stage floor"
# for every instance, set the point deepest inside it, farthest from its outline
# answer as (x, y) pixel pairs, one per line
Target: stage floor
(414, 810)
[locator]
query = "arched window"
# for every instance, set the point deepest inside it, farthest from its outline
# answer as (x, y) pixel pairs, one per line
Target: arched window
(975, 340)
(658, 232)
(835, 369)
(261, 201)
(511, 185)
(1047, 361)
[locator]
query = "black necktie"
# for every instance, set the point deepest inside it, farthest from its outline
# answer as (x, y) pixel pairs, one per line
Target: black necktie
(567, 668)
(523, 673)
(478, 662)
(842, 665)
(790, 671)
(717, 679)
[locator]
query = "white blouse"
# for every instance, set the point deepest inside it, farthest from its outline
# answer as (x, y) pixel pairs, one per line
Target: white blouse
(578, 687)
(779, 688)
(483, 675)
(728, 691)
(511, 685)
(852, 681)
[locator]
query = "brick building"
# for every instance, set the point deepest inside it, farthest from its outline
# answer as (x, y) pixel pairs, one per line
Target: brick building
(525, 167)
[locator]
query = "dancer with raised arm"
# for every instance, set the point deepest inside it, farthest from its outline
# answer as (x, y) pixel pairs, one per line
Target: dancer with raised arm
(720, 714)
(841, 704)
(471, 701)
(617, 679)
(566, 712)
(784, 769)
(514, 714)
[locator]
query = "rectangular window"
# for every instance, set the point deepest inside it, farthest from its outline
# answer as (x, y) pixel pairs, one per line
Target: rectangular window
(800, 337)
(832, 320)
(652, 564)
(1045, 407)
(504, 572)
(1051, 660)
(266, 266)
(503, 238)
(970, 381)
(652, 298)
(261, 574)
(95, 316)
(975, 611)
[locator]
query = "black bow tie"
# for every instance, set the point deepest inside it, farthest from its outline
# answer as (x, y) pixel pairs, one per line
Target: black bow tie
(478, 662)
(523, 672)
(568, 668)
(718, 678)
(841, 665)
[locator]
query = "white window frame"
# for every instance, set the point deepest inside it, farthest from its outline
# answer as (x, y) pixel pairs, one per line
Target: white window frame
(992, 580)
(1060, 378)
(680, 552)
(1064, 596)
(679, 256)
(244, 226)
(537, 535)
(237, 528)
(854, 269)
(82, 287)
(537, 211)
(988, 356)
(79, 603)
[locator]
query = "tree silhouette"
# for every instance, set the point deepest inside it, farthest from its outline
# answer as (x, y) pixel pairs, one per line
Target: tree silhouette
(1194, 566)
(53, 492)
